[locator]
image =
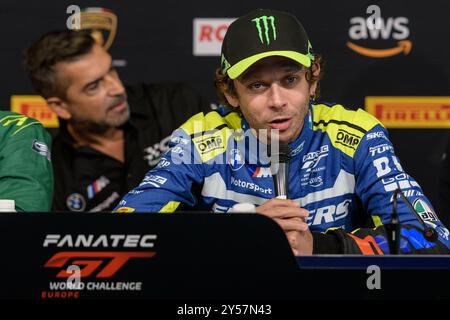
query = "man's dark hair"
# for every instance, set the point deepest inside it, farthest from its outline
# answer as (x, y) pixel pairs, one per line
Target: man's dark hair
(52, 48)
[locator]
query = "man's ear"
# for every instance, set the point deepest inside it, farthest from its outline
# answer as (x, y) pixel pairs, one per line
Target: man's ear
(59, 107)
(231, 98)
(312, 89)
(315, 69)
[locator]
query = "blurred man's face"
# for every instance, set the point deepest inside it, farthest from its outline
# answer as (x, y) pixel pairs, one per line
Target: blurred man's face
(95, 96)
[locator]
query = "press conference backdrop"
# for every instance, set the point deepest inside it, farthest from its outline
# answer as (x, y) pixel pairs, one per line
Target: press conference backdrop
(402, 59)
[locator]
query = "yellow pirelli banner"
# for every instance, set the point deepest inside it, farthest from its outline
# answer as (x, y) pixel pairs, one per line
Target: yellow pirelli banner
(35, 107)
(410, 112)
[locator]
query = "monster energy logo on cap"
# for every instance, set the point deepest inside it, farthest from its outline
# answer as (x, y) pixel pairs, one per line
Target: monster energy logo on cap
(263, 33)
(264, 21)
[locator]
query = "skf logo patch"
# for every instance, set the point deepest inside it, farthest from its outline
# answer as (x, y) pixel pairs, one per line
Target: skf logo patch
(347, 139)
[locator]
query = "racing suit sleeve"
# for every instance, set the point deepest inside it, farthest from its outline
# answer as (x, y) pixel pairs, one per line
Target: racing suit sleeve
(168, 187)
(378, 173)
(26, 174)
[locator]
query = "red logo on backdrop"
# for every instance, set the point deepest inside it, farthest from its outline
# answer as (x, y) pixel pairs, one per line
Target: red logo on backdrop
(101, 266)
(92, 261)
(410, 112)
(35, 107)
(208, 35)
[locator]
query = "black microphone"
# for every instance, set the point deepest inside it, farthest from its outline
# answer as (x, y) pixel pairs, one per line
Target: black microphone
(393, 230)
(279, 167)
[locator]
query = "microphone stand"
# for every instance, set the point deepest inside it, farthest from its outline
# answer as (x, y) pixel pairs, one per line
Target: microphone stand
(393, 229)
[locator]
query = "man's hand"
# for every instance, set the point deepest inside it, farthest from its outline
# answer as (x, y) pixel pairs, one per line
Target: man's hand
(292, 219)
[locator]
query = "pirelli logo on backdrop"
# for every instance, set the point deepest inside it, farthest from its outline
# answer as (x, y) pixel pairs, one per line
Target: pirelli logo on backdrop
(35, 107)
(410, 112)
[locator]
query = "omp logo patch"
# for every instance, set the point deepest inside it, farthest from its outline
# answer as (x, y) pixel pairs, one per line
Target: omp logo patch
(347, 139)
(209, 143)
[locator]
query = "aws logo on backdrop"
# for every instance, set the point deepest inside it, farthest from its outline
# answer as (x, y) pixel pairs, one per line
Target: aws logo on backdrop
(388, 35)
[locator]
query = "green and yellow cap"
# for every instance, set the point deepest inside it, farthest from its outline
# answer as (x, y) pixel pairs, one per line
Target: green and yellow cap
(263, 33)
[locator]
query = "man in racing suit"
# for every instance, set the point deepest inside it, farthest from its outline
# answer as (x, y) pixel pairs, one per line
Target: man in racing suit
(343, 170)
(26, 174)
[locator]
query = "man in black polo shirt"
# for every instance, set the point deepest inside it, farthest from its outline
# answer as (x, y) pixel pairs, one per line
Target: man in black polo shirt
(110, 136)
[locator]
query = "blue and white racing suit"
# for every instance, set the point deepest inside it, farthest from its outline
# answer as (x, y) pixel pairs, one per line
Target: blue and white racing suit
(343, 169)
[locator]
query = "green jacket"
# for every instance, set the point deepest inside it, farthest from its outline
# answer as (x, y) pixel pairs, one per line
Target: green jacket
(26, 174)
